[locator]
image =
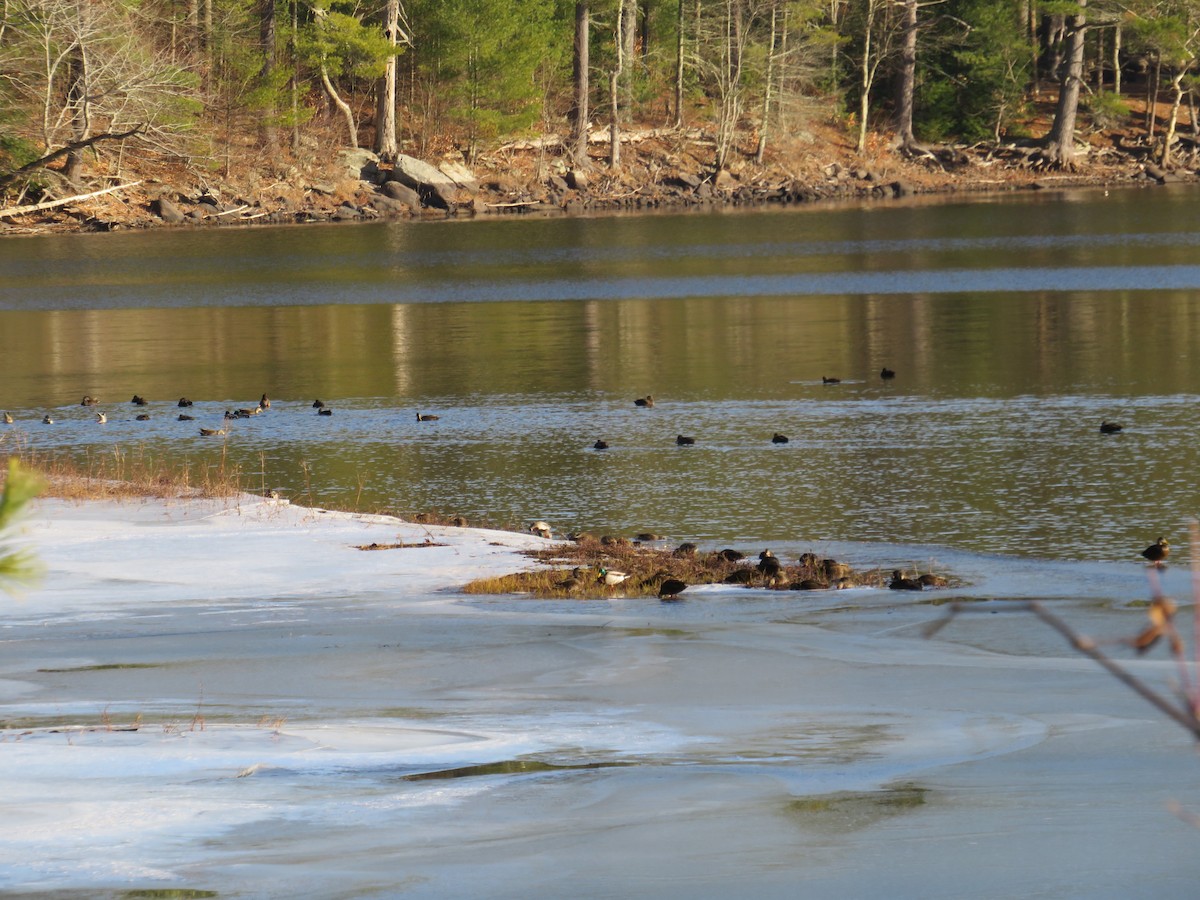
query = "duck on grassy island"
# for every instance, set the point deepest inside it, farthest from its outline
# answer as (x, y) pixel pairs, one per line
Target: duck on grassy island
(1110, 427)
(646, 401)
(684, 441)
(900, 583)
(611, 576)
(1158, 551)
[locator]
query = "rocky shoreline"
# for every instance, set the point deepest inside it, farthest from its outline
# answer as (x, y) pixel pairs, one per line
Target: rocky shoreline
(522, 179)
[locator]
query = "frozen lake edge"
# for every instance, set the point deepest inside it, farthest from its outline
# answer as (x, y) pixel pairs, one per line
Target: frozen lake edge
(291, 689)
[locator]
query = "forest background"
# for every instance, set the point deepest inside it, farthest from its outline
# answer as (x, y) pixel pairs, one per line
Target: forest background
(257, 94)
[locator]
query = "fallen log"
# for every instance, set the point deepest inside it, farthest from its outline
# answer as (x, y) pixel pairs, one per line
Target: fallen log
(51, 204)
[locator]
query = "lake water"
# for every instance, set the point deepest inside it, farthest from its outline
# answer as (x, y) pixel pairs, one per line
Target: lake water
(399, 738)
(1015, 324)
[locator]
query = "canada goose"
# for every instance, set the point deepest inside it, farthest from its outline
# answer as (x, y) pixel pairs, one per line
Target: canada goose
(1158, 551)
(211, 431)
(427, 417)
(778, 438)
(1110, 427)
(887, 373)
(900, 583)
(183, 402)
(247, 413)
(611, 576)
(138, 401)
(88, 400)
(683, 441)
(827, 380)
(540, 528)
(671, 589)
(600, 445)
(646, 401)
(101, 418)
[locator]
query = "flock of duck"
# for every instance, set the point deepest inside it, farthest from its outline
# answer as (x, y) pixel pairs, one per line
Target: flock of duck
(184, 404)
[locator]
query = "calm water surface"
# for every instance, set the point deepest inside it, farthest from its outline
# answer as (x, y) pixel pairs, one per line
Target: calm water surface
(1015, 326)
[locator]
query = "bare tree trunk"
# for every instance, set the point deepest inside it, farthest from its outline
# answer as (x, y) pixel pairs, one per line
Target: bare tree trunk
(906, 83)
(266, 75)
(385, 112)
(867, 74)
(627, 15)
(1061, 140)
(342, 106)
(1116, 59)
(679, 65)
(1173, 119)
(764, 127)
(294, 81)
(614, 80)
(1153, 86)
(78, 101)
(580, 72)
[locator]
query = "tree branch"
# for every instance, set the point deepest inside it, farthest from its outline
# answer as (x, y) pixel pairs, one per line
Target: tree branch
(50, 204)
(6, 180)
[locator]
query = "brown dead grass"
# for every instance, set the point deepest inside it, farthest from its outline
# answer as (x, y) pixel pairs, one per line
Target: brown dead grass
(134, 473)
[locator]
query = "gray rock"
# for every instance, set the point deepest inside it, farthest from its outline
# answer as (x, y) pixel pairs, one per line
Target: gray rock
(394, 190)
(166, 210)
(463, 178)
(724, 180)
(390, 207)
(558, 183)
(360, 163)
(435, 188)
(577, 180)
